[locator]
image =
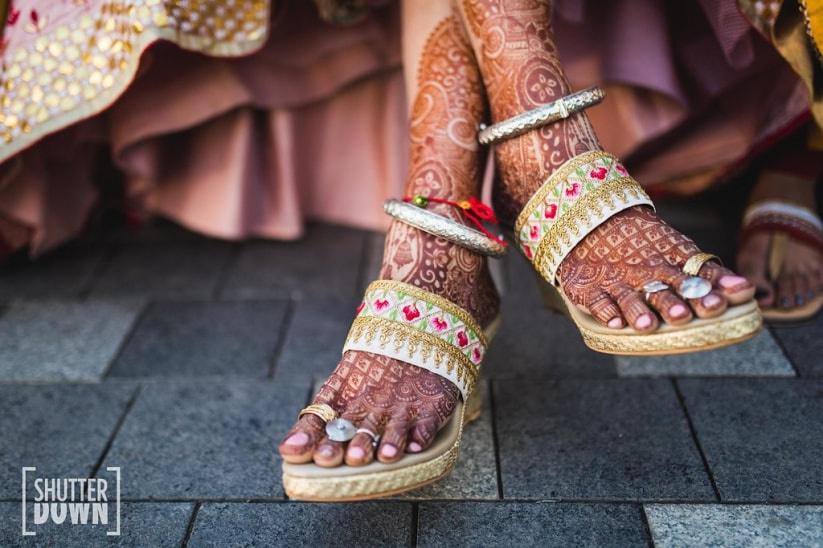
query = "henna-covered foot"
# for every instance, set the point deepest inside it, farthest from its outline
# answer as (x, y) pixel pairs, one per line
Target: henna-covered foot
(604, 274)
(406, 406)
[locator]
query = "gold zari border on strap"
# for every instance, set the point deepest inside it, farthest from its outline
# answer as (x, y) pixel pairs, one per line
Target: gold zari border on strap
(387, 332)
(560, 174)
(602, 192)
(434, 299)
(577, 221)
(412, 325)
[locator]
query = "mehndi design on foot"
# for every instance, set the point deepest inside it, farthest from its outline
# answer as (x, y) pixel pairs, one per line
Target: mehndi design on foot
(609, 254)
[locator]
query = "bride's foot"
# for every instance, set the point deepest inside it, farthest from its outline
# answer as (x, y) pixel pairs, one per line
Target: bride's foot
(403, 404)
(793, 276)
(605, 272)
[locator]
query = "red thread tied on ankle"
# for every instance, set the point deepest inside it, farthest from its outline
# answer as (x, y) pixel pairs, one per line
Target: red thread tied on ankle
(472, 208)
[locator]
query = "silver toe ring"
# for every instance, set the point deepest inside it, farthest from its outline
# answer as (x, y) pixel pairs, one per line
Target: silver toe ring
(654, 286)
(375, 439)
(694, 287)
(340, 430)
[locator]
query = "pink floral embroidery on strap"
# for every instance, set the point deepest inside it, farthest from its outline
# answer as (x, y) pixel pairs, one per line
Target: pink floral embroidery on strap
(439, 324)
(410, 310)
(586, 177)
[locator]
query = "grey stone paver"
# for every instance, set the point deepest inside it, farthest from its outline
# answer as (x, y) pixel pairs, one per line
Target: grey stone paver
(763, 438)
(197, 439)
(167, 269)
(804, 345)
(564, 430)
(152, 230)
(203, 338)
(65, 272)
(300, 524)
(61, 429)
(625, 439)
(732, 526)
(760, 356)
(534, 342)
(326, 262)
(475, 474)
(141, 524)
(530, 524)
(62, 340)
(315, 338)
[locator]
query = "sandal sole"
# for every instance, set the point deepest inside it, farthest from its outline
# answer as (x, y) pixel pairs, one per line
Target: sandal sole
(737, 324)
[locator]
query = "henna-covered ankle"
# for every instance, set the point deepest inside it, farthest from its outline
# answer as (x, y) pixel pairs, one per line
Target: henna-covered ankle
(521, 70)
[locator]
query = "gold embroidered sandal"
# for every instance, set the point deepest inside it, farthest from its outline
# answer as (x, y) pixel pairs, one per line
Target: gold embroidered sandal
(409, 324)
(784, 221)
(582, 194)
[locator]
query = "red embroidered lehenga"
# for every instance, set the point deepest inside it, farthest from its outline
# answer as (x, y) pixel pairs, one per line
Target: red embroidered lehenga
(239, 118)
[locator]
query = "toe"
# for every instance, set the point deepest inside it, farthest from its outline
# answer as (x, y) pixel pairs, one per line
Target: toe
(634, 309)
(360, 451)
(328, 453)
(422, 435)
(393, 442)
(605, 310)
(671, 308)
(786, 291)
(297, 446)
(361, 448)
(709, 306)
(803, 290)
(764, 292)
(735, 288)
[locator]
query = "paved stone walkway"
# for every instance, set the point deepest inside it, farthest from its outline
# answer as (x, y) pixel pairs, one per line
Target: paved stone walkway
(183, 360)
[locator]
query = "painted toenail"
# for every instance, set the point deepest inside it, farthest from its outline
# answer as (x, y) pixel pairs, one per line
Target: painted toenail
(678, 310)
(325, 451)
(784, 301)
(615, 323)
(414, 447)
(643, 321)
(356, 452)
(731, 281)
(798, 299)
(389, 451)
(300, 438)
(711, 301)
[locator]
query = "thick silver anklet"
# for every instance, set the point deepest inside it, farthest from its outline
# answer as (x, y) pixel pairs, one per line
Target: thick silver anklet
(445, 228)
(541, 116)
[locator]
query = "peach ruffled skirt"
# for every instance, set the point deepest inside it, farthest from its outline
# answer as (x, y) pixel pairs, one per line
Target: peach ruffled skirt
(237, 120)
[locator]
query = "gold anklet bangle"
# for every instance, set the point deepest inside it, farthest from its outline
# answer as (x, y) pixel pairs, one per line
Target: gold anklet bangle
(541, 116)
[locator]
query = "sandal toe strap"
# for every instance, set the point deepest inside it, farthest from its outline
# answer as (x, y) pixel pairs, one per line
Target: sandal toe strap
(577, 197)
(412, 325)
(797, 221)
